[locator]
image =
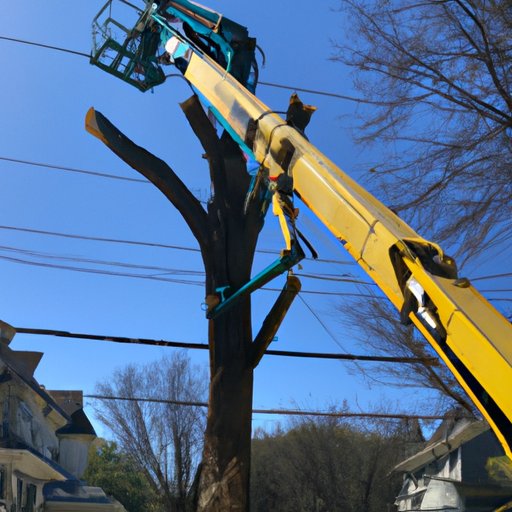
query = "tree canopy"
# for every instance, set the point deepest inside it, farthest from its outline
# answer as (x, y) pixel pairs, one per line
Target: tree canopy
(329, 465)
(163, 439)
(436, 77)
(119, 476)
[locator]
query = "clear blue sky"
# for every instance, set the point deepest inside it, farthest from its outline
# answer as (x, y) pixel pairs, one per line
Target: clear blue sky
(45, 96)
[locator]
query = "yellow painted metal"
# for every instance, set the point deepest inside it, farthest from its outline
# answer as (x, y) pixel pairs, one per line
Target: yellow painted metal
(278, 212)
(477, 334)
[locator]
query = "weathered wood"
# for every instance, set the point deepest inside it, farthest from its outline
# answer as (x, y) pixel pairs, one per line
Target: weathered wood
(227, 233)
(155, 170)
(274, 319)
(224, 478)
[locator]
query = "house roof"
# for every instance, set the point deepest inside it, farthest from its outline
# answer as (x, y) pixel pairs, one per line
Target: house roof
(74, 495)
(69, 400)
(23, 365)
(79, 425)
(449, 436)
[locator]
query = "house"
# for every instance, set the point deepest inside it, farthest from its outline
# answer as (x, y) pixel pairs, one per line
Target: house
(44, 441)
(461, 468)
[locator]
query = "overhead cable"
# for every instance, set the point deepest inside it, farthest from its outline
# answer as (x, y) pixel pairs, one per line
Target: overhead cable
(47, 46)
(140, 243)
(203, 346)
(267, 84)
(73, 169)
(158, 277)
(280, 412)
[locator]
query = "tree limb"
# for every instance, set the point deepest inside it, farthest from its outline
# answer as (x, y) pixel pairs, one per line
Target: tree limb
(208, 138)
(274, 319)
(155, 170)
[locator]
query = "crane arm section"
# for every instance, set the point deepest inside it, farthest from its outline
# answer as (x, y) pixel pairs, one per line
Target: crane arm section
(468, 333)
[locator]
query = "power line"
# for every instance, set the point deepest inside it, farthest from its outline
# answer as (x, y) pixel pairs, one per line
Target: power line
(73, 169)
(47, 46)
(98, 239)
(326, 277)
(267, 84)
(203, 346)
(320, 93)
(99, 271)
(495, 276)
(108, 263)
(113, 273)
(139, 243)
(161, 270)
(280, 412)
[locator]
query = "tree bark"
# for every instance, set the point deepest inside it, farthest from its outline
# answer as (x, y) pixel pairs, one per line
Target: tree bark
(227, 234)
(233, 232)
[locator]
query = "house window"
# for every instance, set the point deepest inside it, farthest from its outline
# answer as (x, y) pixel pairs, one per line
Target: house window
(2, 483)
(19, 494)
(30, 498)
(416, 501)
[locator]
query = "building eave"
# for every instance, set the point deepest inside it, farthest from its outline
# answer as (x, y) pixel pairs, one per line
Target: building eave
(437, 450)
(31, 464)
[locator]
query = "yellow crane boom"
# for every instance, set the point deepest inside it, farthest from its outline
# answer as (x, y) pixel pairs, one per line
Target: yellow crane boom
(471, 336)
(468, 333)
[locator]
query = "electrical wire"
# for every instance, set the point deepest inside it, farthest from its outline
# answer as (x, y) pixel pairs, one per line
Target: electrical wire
(140, 243)
(329, 332)
(156, 277)
(162, 270)
(203, 346)
(159, 277)
(281, 412)
(495, 276)
(76, 259)
(267, 84)
(73, 169)
(47, 46)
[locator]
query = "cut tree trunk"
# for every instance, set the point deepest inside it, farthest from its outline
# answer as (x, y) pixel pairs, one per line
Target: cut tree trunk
(227, 233)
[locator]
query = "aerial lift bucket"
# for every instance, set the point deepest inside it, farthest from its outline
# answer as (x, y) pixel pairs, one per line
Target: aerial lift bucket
(127, 53)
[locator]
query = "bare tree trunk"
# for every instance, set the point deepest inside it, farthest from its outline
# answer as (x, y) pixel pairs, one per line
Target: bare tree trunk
(224, 481)
(233, 232)
(227, 234)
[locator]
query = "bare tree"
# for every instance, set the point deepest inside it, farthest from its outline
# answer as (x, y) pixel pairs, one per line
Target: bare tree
(384, 334)
(436, 76)
(329, 465)
(164, 439)
(227, 232)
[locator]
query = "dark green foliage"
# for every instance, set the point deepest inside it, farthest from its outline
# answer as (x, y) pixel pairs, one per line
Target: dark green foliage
(119, 476)
(327, 467)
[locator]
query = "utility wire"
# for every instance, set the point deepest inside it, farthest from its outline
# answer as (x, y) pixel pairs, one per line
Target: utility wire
(281, 412)
(139, 243)
(328, 331)
(203, 346)
(327, 277)
(161, 270)
(267, 84)
(495, 276)
(320, 93)
(73, 169)
(76, 259)
(47, 46)
(87, 270)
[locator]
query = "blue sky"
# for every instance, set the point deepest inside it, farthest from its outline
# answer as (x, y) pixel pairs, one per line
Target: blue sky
(45, 96)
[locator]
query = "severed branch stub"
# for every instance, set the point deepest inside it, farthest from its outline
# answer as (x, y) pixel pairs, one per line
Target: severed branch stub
(275, 318)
